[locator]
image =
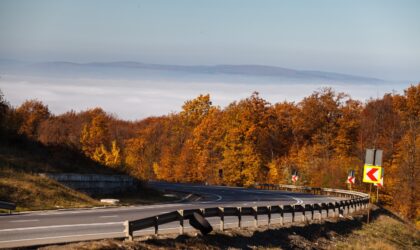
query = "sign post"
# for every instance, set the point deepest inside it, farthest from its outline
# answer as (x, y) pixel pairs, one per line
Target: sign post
(351, 179)
(372, 171)
(379, 185)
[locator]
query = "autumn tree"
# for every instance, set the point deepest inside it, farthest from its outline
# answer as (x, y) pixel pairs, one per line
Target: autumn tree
(245, 144)
(97, 144)
(206, 143)
(380, 127)
(406, 162)
(30, 114)
(143, 151)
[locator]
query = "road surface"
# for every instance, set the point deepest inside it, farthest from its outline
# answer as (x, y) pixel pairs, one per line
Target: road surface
(48, 227)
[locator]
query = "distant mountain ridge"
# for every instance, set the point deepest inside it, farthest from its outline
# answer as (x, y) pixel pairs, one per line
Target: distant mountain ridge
(222, 69)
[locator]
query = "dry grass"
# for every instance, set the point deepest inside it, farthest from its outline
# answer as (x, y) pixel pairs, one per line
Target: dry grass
(33, 192)
(385, 232)
(20, 162)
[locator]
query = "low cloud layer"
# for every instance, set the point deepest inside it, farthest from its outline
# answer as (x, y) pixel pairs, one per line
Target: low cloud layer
(137, 99)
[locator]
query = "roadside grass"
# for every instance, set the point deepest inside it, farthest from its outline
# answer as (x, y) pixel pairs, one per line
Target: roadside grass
(21, 161)
(386, 231)
(34, 192)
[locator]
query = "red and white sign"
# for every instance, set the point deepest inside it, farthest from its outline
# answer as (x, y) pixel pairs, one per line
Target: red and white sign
(295, 178)
(351, 179)
(381, 183)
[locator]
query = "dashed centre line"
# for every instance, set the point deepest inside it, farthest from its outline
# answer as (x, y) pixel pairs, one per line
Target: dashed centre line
(19, 221)
(109, 216)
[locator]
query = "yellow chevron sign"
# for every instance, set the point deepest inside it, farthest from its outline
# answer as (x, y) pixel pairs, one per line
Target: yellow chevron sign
(372, 174)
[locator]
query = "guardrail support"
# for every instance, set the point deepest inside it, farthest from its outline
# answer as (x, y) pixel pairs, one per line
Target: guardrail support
(181, 221)
(320, 212)
(303, 214)
(281, 215)
(335, 211)
(239, 217)
(293, 214)
(127, 231)
(269, 216)
(222, 218)
(255, 211)
(156, 226)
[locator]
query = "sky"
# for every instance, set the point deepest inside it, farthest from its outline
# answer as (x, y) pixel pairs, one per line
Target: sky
(372, 38)
(377, 38)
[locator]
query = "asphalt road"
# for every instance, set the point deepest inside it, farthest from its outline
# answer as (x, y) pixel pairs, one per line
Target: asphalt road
(47, 227)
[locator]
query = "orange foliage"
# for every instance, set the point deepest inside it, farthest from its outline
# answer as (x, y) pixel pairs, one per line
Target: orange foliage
(323, 137)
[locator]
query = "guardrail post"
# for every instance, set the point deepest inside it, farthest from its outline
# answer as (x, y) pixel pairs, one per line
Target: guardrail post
(282, 215)
(328, 209)
(320, 212)
(269, 216)
(312, 212)
(222, 218)
(293, 213)
(348, 207)
(156, 225)
(181, 221)
(303, 214)
(338, 209)
(127, 231)
(239, 217)
(344, 204)
(255, 216)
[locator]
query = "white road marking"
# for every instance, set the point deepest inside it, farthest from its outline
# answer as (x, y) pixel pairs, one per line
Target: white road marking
(108, 216)
(59, 226)
(219, 198)
(93, 210)
(298, 201)
(64, 236)
(17, 221)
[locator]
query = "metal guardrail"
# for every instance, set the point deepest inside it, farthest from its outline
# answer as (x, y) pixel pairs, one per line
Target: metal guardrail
(356, 202)
(8, 206)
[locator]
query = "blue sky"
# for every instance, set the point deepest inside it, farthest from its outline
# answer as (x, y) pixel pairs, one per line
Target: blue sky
(374, 38)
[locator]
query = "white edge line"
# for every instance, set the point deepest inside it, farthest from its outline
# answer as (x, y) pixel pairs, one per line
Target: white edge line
(55, 237)
(59, 226)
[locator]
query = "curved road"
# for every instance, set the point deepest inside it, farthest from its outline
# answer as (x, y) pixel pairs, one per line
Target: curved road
(47, 227)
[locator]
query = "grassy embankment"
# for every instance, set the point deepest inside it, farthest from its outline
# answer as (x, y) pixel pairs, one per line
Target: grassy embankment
(21, 161)
(386, 231)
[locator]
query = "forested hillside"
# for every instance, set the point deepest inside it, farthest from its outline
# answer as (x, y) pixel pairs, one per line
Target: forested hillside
(323, 136)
